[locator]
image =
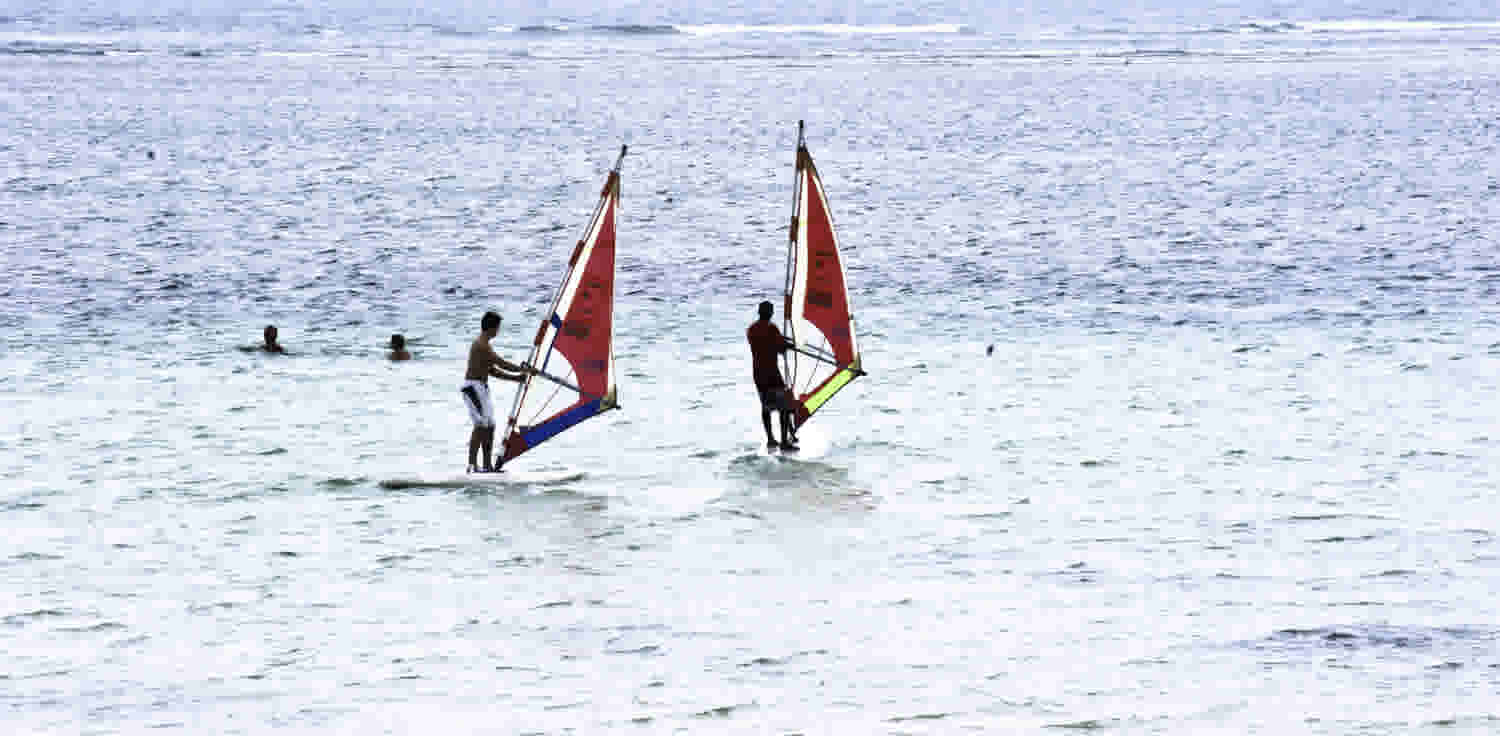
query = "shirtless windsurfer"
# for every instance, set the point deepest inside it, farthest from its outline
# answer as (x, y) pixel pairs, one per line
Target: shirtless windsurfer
(483, 363)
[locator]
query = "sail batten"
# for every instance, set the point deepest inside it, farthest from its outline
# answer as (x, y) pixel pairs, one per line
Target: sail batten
(818, 317)
(574, 344)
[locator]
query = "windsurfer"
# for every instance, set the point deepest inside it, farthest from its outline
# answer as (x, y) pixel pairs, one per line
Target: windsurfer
(483, 363)
(766, 343)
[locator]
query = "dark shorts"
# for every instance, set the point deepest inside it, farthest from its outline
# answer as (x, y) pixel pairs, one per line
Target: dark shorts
(775, 399)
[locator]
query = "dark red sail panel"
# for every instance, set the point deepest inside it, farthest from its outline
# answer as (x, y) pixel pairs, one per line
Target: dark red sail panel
(584, 336)
(826, 302)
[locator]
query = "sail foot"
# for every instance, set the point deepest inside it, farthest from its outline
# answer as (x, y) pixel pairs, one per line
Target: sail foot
(525, 438)
(814, 400)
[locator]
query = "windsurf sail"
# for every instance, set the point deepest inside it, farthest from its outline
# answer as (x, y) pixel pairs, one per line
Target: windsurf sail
(817, 315)
(573, 352)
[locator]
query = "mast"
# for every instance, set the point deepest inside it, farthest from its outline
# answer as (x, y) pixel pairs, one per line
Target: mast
(789, 358)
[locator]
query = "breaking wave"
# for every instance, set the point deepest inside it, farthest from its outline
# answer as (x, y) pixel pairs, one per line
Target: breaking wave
(729, 29)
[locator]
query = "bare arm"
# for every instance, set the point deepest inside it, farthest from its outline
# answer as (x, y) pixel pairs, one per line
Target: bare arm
(504, 369)
(507, 375)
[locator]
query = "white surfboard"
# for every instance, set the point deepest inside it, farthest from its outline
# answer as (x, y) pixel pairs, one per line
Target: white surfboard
(506, 478)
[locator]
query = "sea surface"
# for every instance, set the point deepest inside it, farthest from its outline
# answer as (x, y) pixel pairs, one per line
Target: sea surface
(1182, 329)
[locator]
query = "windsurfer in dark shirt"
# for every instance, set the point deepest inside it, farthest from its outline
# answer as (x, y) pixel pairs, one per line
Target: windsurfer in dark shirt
(766, 344)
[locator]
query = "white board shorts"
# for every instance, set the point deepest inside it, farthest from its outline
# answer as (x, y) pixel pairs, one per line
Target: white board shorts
(477, 397)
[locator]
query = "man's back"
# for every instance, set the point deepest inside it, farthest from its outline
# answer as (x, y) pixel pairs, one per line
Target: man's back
(766, 343)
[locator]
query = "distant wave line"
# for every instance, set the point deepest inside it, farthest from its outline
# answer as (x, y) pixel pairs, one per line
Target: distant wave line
(847, 29)
(1257, 27)
(1376, 25)
(728, 29)
(644, 29)
(61, 47)
(832, 29)
(1358, 25)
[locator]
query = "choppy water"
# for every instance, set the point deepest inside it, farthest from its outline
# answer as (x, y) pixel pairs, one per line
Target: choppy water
(1229, 468)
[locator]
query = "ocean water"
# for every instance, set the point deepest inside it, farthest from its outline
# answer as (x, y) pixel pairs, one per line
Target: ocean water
(1181, 328)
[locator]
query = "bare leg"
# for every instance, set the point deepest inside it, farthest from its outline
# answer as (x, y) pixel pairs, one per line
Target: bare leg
(765, 420)
(788, 433)
(788, 439)
(489, 446)
(474, 440)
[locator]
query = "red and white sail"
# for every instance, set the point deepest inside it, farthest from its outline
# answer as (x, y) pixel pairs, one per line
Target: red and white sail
(574, 346)
(817, 315)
